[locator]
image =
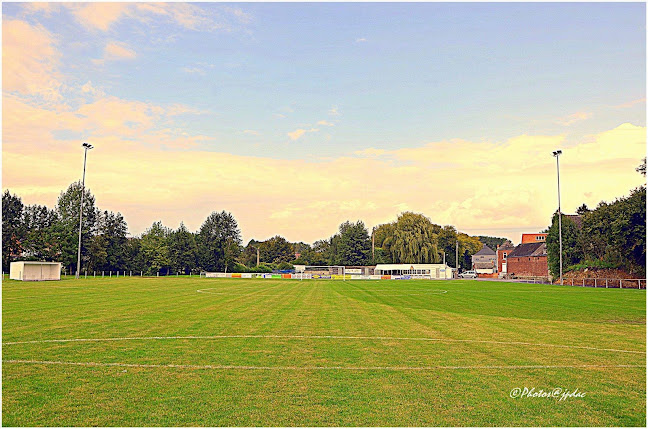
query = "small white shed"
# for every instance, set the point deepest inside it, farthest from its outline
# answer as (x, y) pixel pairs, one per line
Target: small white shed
(35, 270)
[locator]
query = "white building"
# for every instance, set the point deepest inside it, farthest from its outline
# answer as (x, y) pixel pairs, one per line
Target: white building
(35, 270)
(422, 271)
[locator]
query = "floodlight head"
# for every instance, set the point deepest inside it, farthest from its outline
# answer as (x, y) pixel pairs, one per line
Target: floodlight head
(557, 152)
(87, 145)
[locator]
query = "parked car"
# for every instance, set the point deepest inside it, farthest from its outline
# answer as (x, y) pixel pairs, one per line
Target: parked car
(468, 275)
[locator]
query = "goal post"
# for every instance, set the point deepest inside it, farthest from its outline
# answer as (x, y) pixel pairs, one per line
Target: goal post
(321, 272)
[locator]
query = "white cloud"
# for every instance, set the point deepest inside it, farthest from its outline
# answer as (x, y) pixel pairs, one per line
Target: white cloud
(30, 60)
(116, 51)
(574, 117)
(630, 103)
(89, 89)
(325, 122)
(361, 40)
(334, 111)
(252, 132)
(295, 135)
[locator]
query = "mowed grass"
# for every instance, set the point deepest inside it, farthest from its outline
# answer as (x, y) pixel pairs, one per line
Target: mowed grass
(319, 353)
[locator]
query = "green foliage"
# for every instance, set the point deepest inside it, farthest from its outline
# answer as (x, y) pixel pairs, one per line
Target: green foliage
(322, 253)
(67, 209)
(183, 250)
(491, 242)
(263, 268)
(612, 235)
(13, 231)
(285, 266)
(415, 240)
(219, 241)
(572, 253)
(591, 264)
(155, 249)
(276, 250)
(108, 247)
(352, 244)
(468, 246)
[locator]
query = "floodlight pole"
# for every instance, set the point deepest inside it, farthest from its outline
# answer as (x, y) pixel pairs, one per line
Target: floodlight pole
(86, 146)
(557, 155)
(373, 245)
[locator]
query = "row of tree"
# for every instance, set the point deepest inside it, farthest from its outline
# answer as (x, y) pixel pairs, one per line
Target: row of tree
(613, 235)
(35, 232)
(38, 233)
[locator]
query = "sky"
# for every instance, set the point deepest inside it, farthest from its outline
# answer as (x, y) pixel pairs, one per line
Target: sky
(296, 117)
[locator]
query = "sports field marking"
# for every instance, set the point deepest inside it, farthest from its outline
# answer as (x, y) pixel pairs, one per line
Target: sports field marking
(315, 368)
(233, 293)
(321, 337)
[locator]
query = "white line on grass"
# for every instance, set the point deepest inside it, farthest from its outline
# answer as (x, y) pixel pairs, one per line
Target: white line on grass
(321, 337)
(312, 368)
(420, 292)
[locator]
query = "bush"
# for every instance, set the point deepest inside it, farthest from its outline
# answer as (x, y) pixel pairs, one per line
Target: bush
(285, 266)
(262, 268)
(240, 268)
(592, 264)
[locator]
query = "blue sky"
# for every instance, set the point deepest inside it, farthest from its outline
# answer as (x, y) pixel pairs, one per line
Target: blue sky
(320, 81)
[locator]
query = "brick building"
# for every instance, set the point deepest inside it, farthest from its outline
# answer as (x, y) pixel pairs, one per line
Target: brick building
(502, 253)
(528, 260)
(534, 238)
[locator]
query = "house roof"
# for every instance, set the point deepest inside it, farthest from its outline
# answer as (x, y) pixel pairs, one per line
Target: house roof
(506, 246)
(577, 219)
(529, 249)
(485, 251)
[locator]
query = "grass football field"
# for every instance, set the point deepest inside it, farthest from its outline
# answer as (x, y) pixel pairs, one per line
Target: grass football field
(237, 352)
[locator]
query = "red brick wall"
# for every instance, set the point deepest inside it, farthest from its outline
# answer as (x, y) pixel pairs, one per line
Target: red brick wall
(531, 238)
(500, 258)
(528, 266)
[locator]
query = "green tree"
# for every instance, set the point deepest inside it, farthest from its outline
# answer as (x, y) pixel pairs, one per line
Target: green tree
(43, 233)
(468, 246)
(108, 246)
(155, 249)
(353, 244)
(276, 250)
(321, 252)
(415, 240)
(67, 208)
(219, 241)
(13, 230)
(183, 250)
(248, 256)
(491, 242)
(571, 247)
(383, 237)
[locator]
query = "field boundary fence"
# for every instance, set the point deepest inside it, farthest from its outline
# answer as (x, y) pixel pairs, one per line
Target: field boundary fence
(607, 283)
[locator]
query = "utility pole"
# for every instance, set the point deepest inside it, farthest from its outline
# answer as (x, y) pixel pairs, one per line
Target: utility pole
(86, 146)
(557, 154)
(457, 256)
(257, 249)
(373, 245)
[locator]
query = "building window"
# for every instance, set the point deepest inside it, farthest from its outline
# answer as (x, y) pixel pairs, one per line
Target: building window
(540, 238)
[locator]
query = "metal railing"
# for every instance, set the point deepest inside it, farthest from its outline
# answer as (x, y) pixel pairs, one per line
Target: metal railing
(607, 283)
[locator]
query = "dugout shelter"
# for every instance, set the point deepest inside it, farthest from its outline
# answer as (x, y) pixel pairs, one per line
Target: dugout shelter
(35, 270)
